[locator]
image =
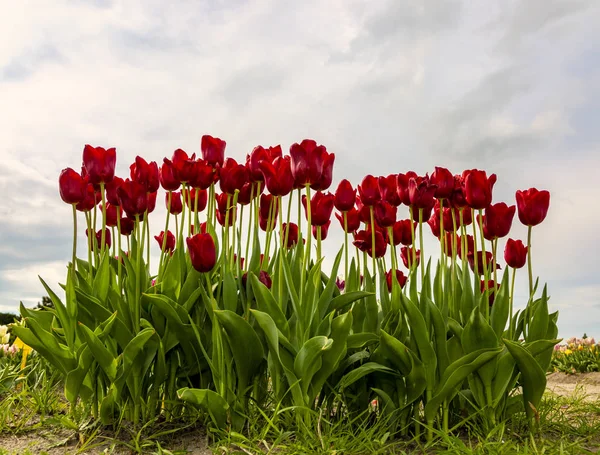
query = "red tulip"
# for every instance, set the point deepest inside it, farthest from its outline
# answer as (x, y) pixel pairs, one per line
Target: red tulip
(311, 165)
(202, 252)
(533, 206)
(341, 284)
(498, 219)
(190, 198)
(470, 246)
(98, 236)
(203, 175)
(152, 201)
(263, 277)
(183, 166)
(278, 175)
(268, 205)
(406, 253)
(345, 196)
(213, 150)
(133, 198)
(222, 209)
(443, 179)
(385, 214)
(99, 163)
(515, 253)
(478, 188)
(292, 238)
(421, 192)
(111, 214)
(403, 232)
(448, 246)
(111, 190)
(388, 189)
(72, 186)
(400, 277)
(170, 242)
(127, 225)
(324, 230)
(363, 240)
(352, 220)
(326, 178)
(233, 176)
(368, 191)
(364, 211)
(92, 197)
(489, 262)
(457, 198)
(491, 287)
(402, 186)
(257, 155)
(176, 206)
(167, 176)
(145, 174)
(321, 206)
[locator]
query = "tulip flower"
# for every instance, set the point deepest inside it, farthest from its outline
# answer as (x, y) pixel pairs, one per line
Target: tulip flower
(145, 174)
(257, 155)
(98, 236)
(183, 165)
(345, 196)
(167, 175)
(225, 212)
(190, 198)
(247, 193)
(278, 175)
(111, 190)
(72, 186)
(364, 211)
(399, 276)
(341, 284)
(321, 206)
(388, 189)
(489, 285)
(202, 252)
(203, 175)
(478, 188)
(402, 186)
(368, 191)
(92, 197)
(267, 206)
(99, 163)
(443, 179)
(326, 178)
(470, 243)
(421, 192)
(515, 253)
(169, 243)
(406, 253)
(232, 176)
(151, 201)
(449, 246)
(480, 269)
(291, 230)
(111, 214)
(403, 232)
(498, 220)
(324, 230)
(311, 165)
(457, 198)
(385, 214)
(532, 206)
(263, 277)
(352, 220)
(127, 226)
(363, 241)
(133, 198)
(213, 150)
(176, 206)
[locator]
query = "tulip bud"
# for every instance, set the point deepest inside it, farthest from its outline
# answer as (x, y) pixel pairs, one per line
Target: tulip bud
(99, 163)
(478, 188)
(368, 191)
(515, 253)
(201, 248)
(169, 243)
(399, 276)
(213, 150)
(345, 196)
(176, 206)
(72, 186)
(532, 206)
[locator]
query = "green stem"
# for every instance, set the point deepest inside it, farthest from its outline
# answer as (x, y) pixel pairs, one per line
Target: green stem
(529, 267)
(345, 215)
(484, 257)
(164, 242)
(373, 249)
(91, 238)
(120, 258)
(249, 225)
(103, 241)
(511, 328)
(233, 229)
(268, 234)
(475, 253)
(180, 236)
(318, 243)
(421, 246)
(306, 258)
(138, 284)
(442, 247)
(74, 238)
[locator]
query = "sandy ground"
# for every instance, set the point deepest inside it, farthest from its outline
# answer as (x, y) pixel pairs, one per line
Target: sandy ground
(584, 384)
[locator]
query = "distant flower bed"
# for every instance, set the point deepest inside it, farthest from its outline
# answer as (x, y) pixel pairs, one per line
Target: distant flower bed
(578, 355)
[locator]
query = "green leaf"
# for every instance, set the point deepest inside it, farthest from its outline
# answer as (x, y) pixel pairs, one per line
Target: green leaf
(360, 372)
(326, 296)
(360, 340)
(102, 278)
(212, 402)
(342, 300)
(500, 308)
(266, 302)
(230, 292)
(538, 325)
(309, 360)
(102, 355)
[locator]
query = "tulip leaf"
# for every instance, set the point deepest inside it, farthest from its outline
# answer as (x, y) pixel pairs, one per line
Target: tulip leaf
(499, 314)
(212, 402)
(345, 299)
(309, 360)
(538, 324)
(360, 340)
(74, 382)
(266, 302)
(327, 294)
(102, 279)
(230, 291)
(358, 373)
(102, 355)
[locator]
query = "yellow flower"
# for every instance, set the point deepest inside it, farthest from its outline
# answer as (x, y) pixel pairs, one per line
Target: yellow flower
(26, 350)
(568, 351)
(580, 347)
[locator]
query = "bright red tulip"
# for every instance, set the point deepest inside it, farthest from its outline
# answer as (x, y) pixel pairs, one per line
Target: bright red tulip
(311, 165)
(364, 211)
(145, 173)
(233, 176)
(203, 175)
(368, 191)
(345, 196)
(92, 197)
(498, 219)
(443, 179)
(183, 166)
(457, 198)
(402, 186)
(261, 154)
(72, 186)
(420, 193)
(400, 277)
(326, 178)
(99, 163)
(213, 150)
(170, 242)
(352, 220)
(292, 238)
(223, 208)
(167, 175)
(403, 232)
(363, 240)
(385, 213)
(532, 206)
(406, 253)
(515, 253)
(133, 198)
(202, 252)
(388, 189)
(478, 188)
(321, 206)
(278, 175)
(111, 190)
(176, 206)
(152, 201)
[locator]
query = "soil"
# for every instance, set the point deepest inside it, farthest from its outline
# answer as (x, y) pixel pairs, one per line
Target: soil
(585, 385)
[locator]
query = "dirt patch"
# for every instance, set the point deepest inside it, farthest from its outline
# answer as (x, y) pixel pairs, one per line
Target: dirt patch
(585, 384)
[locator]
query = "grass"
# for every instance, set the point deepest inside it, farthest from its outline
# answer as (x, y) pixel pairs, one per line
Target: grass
(35, 418)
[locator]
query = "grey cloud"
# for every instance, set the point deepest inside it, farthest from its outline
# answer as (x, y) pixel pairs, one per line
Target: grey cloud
(29, 61)
(253, 83)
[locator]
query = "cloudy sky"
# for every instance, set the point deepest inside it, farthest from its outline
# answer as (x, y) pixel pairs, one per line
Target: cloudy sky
(512, 87)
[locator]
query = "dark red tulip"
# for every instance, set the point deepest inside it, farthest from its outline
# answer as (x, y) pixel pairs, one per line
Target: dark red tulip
(292, 238)
(420, 193)
(278, 175)
(246, 193)
(213, 150)
(92, 197)
(263, 277)
(345, 196)
(400, 277)
(268, 205)
(321, 206)
(176, 206)
(72, 186)
(223, 208)
(364, 211)
(368, 191)
(311, 165)
(133, 197)
(324, 230)
(170, 242)
(202, 252)
(152, 201)
(478, 188)
(470, 241)
(490, 286)
(203, 175)
(352, 220)
(489, 262)
(111, 190)
(127, 225)
(403, 232)
(498, 219)
(406, 252)
(402, 186)
(99, 163)
(203, 228)
(388, 189)
(515, 253)
(457, 198)
(190, 198)
(385, 213)
(532, 206)
(324, 181)
(167, 176)
(434, 223)
(183, 165)
(145, 173)
(111, 214)
(98, 236)
(233, 176)
(341, 284)
(363, 240)
(261, 154)
(443, 179)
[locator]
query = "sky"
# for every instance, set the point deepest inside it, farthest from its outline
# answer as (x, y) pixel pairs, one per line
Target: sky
(512, 87)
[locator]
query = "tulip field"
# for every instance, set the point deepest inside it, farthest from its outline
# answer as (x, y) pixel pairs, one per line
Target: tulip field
(241, 328)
